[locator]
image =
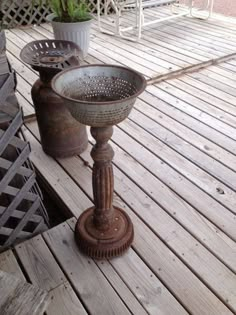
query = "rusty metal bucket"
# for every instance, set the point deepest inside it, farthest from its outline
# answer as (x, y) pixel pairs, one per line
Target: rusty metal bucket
(61, 135)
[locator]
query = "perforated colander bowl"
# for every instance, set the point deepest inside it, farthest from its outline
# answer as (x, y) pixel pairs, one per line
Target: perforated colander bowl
(99, 95)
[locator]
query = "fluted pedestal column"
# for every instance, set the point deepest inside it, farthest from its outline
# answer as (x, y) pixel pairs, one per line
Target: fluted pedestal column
(103, 231)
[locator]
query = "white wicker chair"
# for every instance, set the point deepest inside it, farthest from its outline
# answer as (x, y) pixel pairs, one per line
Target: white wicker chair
(139, 6)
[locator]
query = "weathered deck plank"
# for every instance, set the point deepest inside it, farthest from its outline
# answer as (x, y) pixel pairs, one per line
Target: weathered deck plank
(229, 101)
(42, 270)
(40, 265)
(64, 301)
(8, 263)
(153, 141)
(61, 301)
(147, 288)
(19, 297)
(54, 239)
(79, 269)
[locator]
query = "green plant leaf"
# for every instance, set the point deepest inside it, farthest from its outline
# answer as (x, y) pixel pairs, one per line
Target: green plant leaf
(69, 10)
(63, 4)
(56, 8)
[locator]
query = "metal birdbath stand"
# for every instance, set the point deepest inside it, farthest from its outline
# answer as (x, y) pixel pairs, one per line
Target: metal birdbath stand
(101, 96)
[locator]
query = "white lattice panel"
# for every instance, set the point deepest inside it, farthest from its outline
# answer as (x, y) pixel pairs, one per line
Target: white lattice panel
(17, 12)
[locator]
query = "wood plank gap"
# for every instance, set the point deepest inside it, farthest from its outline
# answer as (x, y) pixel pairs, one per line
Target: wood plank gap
(223, 96)
(205, 283)
(22, 268)
(131, 124)
(225, 121)
(181, 191)
(166, 133)
(178, 116)
(211, 116)
(189, 69)
(9, 263)
(191, 204)
(225, 73)
(199, 141)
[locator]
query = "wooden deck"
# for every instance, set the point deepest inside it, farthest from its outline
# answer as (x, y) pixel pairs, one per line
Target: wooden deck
(175, 174)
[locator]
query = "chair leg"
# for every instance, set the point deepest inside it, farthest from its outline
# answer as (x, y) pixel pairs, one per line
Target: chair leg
(209, 4)
(175, 6)
(136, 15)
(140, 18)
(106, 4)
(211, 7)
(99, 14)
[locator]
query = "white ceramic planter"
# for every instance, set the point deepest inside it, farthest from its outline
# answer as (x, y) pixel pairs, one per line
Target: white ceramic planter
(78, 32)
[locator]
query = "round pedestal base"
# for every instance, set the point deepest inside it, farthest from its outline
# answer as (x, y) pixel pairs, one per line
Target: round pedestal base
(104, 244)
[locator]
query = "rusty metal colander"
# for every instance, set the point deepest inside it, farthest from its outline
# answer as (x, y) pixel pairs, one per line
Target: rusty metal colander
(99, 95)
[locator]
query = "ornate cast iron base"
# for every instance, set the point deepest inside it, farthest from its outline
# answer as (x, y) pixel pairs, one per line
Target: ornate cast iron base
(104, 244)
(103, 231)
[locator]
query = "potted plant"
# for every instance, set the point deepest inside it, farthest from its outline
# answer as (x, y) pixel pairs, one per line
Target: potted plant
(71, 21)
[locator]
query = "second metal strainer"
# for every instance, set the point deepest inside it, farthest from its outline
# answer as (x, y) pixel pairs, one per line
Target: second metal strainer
(50, 54)
(99, 95)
